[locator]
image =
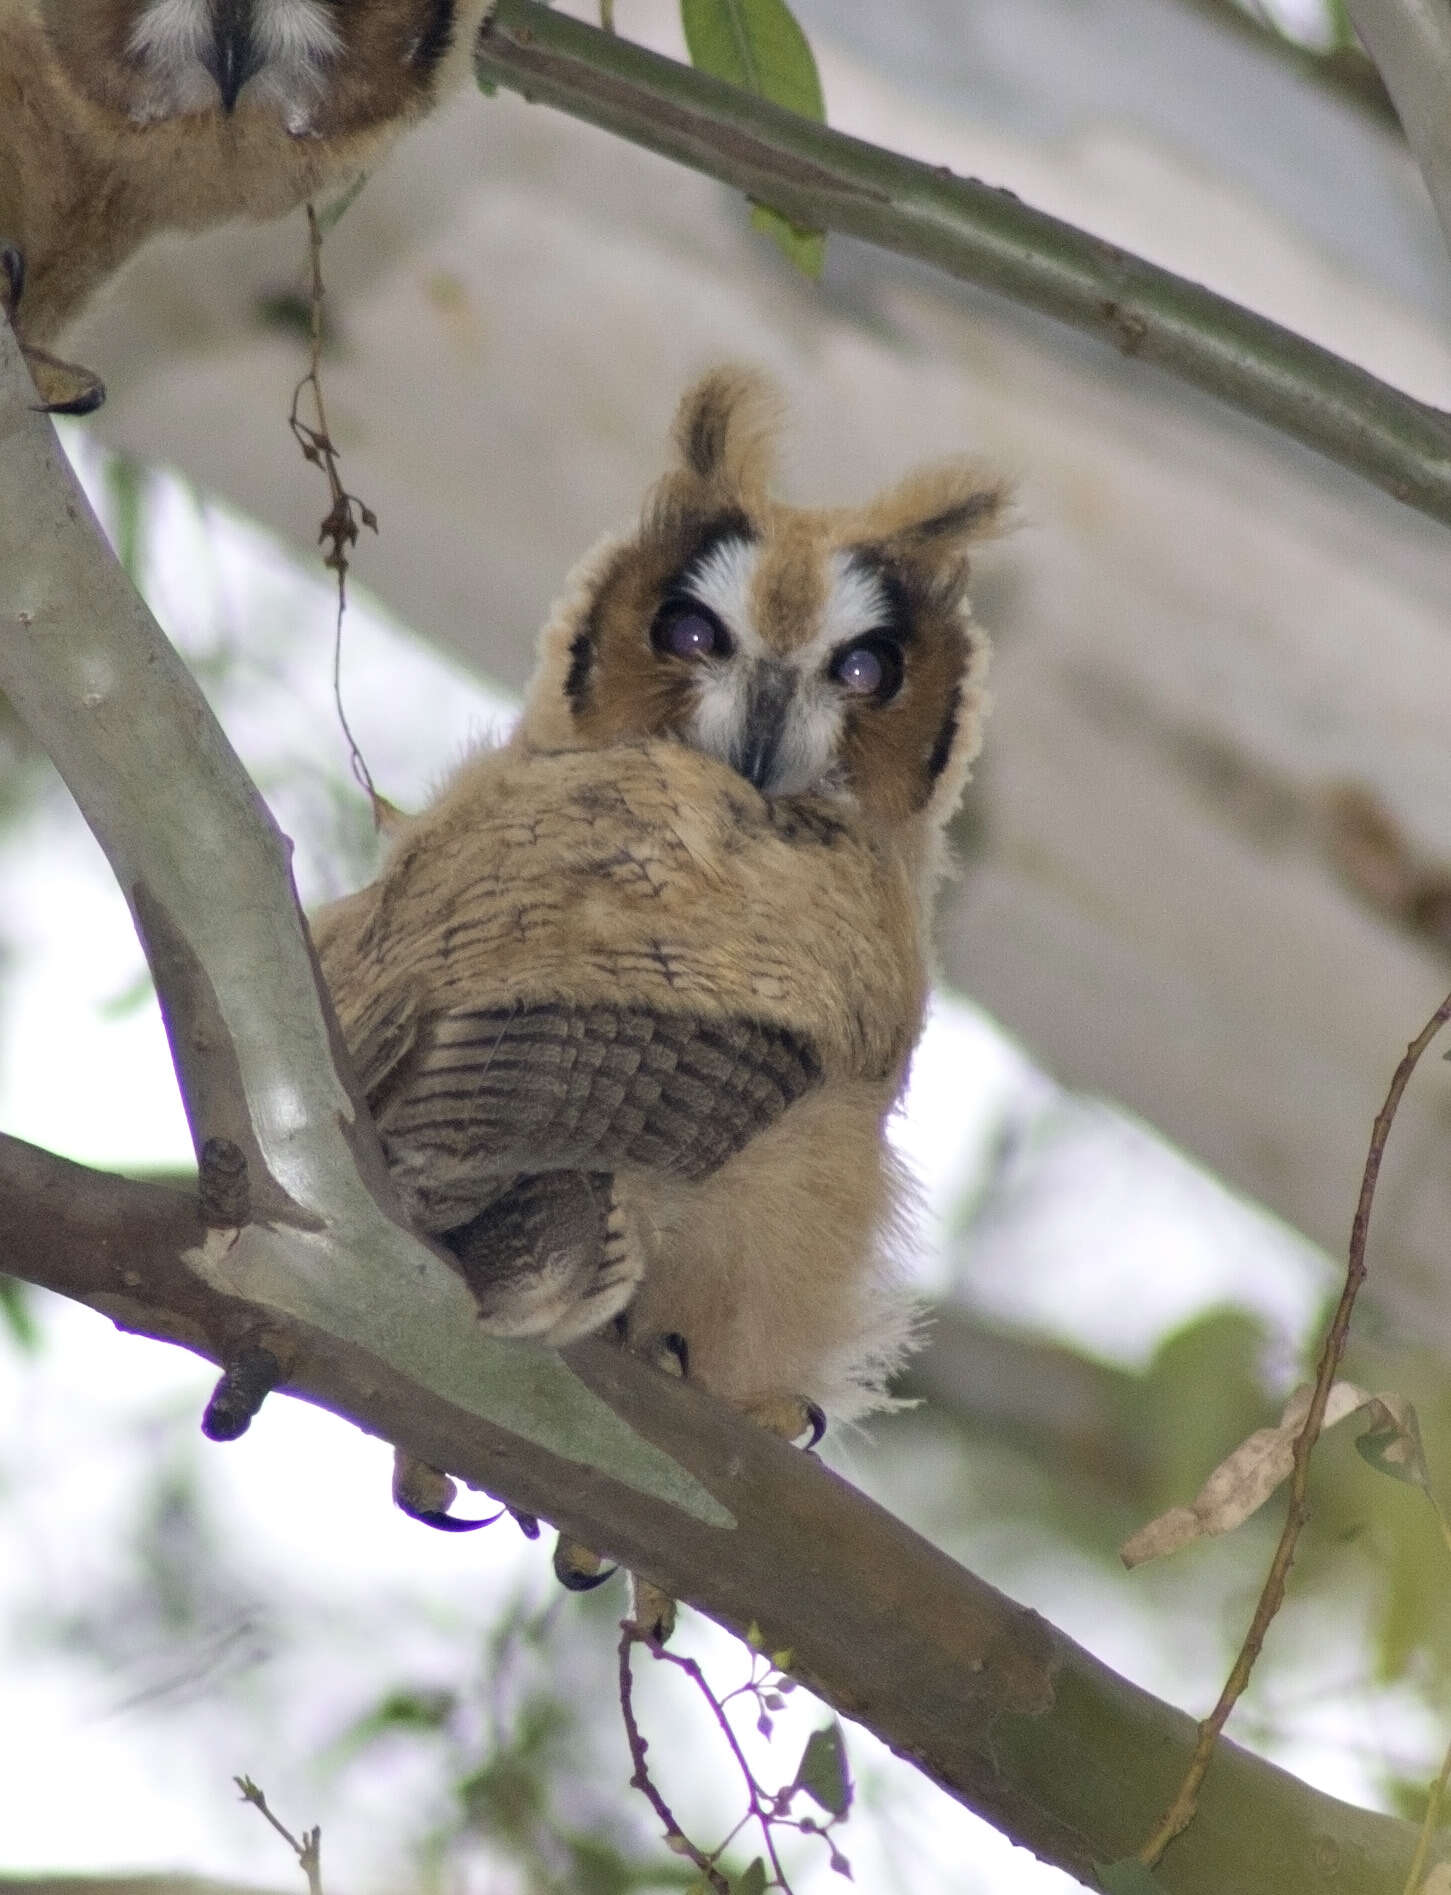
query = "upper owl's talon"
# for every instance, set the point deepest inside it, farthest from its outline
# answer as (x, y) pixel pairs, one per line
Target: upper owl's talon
(675, 1350)
(527, 1523)
(815, 1420)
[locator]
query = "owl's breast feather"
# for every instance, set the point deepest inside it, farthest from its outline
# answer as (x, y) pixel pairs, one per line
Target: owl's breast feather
(644, 876)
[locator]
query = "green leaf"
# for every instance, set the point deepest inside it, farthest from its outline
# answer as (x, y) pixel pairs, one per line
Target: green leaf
(805, 248)
(753, 1882)
(126, 484)
(16, 1315)
(1128, 1877)
(333, 212)
(823, 1772)
(129, 999)
(758, 46)
(1393, 1446)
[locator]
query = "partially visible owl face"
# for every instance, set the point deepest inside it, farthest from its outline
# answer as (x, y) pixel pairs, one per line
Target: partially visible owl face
(320, 66)
(812, 650)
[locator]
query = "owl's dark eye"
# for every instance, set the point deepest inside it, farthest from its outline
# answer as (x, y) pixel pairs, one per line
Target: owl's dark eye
(685, 629)
(870, 668)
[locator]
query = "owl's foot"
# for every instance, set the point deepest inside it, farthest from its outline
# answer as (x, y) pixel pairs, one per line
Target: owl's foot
(576, 1567)
(426, 1494)
(64, 388)
(581, 1569)
(790, 1416)
(652, 1612)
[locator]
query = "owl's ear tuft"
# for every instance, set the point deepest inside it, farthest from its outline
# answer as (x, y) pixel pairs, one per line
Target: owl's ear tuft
(941, 509)
(725, 429)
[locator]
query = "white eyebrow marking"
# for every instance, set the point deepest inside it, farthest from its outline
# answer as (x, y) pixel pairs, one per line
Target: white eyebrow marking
(856, 602)
(722, 580)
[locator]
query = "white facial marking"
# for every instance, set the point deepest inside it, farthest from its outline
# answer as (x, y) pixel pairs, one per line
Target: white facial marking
(809, 757)
(296, 33)
(723, 581)
(856, 602)
(296, 41)
(170, 34)
(167, 40)
(299, 41)
(728, 691)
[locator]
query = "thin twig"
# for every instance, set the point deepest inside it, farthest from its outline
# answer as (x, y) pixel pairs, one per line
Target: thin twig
(1181, 1811)
(1430, 1825)
(675, 1836)
(341, 525)
(769, 1810)
(822, 179)
(308, 1851)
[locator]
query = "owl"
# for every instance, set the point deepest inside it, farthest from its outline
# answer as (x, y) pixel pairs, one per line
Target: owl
(632, 1001)
(121, 118)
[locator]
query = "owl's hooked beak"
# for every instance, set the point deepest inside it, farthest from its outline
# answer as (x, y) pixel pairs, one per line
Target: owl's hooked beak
(232, 55)
(757, 749)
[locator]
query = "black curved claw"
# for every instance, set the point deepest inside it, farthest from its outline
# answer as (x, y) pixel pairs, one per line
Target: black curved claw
(574, 1581)
(527, 1523)
(449, 1522)
(675, 1345)
(816, 1421)
(244, 1385)
(85, 392)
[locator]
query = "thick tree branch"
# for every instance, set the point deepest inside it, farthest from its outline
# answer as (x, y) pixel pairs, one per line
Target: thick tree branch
(822, 179)
(1343, 70)
(206, 874)
(987, 1699)
(1410, 42)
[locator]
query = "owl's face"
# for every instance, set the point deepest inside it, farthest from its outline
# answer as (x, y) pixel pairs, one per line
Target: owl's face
(310, 63)
(813, 651)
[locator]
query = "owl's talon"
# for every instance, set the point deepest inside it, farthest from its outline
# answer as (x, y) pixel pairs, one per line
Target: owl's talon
(674, 1355)
(577, 1568)
(652, 1614)
(242, 1388)
(450, 1522)
(65, 388)
(790, 1416)
(527, 1523)
(426, 1493)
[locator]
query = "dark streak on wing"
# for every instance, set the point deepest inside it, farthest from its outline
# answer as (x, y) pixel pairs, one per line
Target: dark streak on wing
(560, 1088)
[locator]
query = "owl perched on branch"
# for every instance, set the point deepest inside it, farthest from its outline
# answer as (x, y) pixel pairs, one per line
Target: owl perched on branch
(122, 118)
(632, 1001)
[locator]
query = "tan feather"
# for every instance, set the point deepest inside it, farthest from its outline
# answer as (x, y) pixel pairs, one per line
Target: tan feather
(633, 999)
(86, 175)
